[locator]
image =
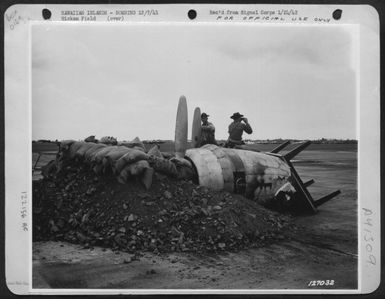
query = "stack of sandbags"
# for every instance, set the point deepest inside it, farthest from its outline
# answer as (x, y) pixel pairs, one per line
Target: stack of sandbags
(104, 158)
(91, 139)
(108, 140)
(136, 143)
(122, 161)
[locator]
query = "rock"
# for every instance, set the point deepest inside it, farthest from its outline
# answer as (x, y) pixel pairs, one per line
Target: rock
(152, 271)
(147, 177)
(131, 218)
(167, 194)
(173, 215)
(219, 263)
(163, 212)
(54, 229)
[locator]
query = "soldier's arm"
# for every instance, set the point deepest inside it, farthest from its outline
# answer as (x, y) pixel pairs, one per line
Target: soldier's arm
(247, 128)
(208, 127)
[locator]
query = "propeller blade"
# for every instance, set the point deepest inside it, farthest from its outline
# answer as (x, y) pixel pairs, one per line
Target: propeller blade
(196, 128)
(181, 127)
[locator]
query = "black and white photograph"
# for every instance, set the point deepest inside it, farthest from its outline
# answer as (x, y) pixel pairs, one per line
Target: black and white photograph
(194, 155)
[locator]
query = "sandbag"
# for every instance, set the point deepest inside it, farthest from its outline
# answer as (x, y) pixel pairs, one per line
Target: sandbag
(109, 140)
(89, 153)
(110, 158)
(98, 156)
(139, 148)
(163, 166)
(184, 168)
(181, 162)
(127, 144)
(75, 147)
(136, 143)
(90, 139)
(132, 156)
(82, 150)
(64, 150)
(65, 145)
(147, 177)
(154, 151)
(133, 170)
(167, 155)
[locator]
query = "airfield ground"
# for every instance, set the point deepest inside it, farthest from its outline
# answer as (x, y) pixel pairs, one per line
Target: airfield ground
(323, 248)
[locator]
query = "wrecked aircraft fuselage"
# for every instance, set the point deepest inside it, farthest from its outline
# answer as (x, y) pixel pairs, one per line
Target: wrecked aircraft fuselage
(252, 174)
(269, 178)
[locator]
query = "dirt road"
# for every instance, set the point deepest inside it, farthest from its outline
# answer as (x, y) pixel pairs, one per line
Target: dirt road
(323, 248)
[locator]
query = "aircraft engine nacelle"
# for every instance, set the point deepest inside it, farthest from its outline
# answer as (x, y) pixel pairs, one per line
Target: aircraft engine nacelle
(253, 174)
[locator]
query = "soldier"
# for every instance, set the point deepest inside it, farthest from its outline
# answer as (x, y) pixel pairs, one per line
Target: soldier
(236, 129)
(207, 131)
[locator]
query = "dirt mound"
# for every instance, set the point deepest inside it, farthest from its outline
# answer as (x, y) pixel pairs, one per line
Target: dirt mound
(78, 206)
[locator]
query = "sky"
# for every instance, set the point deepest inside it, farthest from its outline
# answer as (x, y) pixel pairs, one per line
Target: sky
(125, 80)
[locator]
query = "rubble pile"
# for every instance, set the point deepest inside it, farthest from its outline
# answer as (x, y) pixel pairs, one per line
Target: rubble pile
(78, 205)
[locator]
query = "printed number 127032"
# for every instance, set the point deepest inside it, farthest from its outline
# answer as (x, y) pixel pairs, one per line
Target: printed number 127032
(315, 283)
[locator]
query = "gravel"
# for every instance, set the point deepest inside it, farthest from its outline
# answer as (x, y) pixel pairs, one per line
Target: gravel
(78, 206)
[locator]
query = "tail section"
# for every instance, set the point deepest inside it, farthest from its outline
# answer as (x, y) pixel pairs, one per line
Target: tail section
(303, 199)
(294, 152)
(280, 147)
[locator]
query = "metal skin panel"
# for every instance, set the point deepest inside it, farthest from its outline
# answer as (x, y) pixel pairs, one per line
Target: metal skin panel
(227, 168)
(208, 168)
(264, 174)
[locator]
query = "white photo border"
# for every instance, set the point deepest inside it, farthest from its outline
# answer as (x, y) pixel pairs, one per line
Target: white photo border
(18, 20)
